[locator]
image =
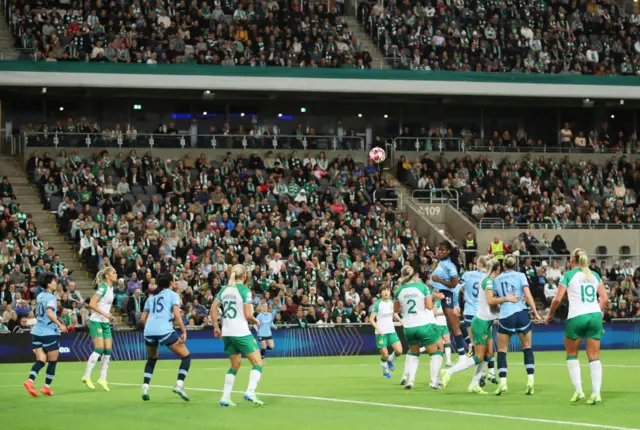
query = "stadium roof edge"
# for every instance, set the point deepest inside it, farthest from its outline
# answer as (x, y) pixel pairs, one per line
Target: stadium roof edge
(20, 73)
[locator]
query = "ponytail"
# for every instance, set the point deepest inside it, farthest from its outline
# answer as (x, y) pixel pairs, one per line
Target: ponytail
(406, 275)
(582, 260)
(492, 266)
(237, 273)
(100, 277)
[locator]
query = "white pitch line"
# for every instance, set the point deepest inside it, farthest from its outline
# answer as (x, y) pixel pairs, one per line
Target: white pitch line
(112, 370)
(415, 408)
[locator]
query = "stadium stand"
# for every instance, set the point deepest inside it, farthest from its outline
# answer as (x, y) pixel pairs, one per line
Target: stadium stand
(24, 259)
(294, 34)
(592, 38)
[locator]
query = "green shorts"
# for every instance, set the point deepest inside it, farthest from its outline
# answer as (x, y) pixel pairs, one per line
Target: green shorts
(442, 329)
(425, 335)
(481, 331)
(98, 329)
(387, 340)
(584, 326)
(239, 345)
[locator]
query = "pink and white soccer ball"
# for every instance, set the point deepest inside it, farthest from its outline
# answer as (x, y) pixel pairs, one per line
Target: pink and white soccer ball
(377, 155)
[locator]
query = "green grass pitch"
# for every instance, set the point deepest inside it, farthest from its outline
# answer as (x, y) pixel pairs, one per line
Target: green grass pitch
(322, 393)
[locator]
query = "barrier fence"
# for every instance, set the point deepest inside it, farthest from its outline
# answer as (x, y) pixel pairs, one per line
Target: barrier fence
(187, 140)
(314, 340)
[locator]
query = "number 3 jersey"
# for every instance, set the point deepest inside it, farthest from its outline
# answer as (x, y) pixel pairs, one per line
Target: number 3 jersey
(233, 299)
(160, 309)
(581, 292)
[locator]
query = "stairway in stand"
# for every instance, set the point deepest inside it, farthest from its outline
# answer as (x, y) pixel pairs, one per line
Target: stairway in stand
(366, 43)
(46, 224)
(7, 51)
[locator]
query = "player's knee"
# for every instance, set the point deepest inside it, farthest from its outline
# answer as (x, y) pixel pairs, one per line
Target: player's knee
(269, 347)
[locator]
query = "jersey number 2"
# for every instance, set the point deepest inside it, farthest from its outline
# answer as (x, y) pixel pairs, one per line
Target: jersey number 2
(412, 306)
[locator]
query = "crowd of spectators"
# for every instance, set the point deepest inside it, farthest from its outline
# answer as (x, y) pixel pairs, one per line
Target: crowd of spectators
(229, 33)
(591, 37)
(549, 191)
(308, 229)
(573, 138)
(24, 259)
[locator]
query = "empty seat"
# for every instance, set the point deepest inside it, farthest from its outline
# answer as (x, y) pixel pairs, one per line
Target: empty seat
(601, 250)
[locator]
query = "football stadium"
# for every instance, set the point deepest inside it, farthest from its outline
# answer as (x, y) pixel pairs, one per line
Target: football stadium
(319, 214)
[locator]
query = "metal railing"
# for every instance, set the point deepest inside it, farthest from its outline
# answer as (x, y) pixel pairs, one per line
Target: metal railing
(423, 143)
(186, 140)
(436, 195)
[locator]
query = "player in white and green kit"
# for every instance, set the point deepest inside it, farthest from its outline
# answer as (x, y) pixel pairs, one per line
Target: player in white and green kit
(441, 325)
(583, 288)
(414, 301)
(100, 326)
(481, 330)
(237, 312)
(382, 321)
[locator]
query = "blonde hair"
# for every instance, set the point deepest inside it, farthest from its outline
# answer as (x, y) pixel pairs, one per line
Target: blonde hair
(237, 273)
(406, 275)
(101, 277)
(580, 258)
(483, 261)
(492, 266)
(509, 261)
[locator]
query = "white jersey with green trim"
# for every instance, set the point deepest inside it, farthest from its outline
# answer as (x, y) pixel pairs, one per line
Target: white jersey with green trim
(582, 292)
(105, 293)
(384, 316)
(233, 299)
(411, 297)
(484, 310)
(438, 313)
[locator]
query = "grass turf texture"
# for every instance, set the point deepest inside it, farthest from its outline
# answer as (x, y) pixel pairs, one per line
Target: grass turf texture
(322, 393)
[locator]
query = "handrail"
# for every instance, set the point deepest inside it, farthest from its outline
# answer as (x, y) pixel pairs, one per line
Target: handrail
(424, 143)
(186, 140)
(490, 221)
(433, 196)
(397, 199)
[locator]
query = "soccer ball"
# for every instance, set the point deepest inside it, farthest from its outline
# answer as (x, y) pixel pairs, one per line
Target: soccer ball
(377, 155)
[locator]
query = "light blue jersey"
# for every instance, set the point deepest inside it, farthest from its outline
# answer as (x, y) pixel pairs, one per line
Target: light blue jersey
(44, 326)
(266, 324)
(511, 282)
(471, 282)
(160, 308)
(446, 271)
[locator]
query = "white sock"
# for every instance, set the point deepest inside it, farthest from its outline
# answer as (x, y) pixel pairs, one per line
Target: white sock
(413, 369)
(480, 368)
(447, 354)
(392, 356)
(385, 366)
(462, 364)
(492, 371)
(530, 378)
(596, 376)
(145, 386)
(422, 349)
(407, 364)
(91, 362)
(574, 373)
(435, 365)
(254, 378)
(229, 380)
(104, 367)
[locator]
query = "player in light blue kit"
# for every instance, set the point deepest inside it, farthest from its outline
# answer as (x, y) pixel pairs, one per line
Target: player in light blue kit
(45, 336)
(445, 279)
(264, 331)
(160, 312)
(514, 319)
(471, 287)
